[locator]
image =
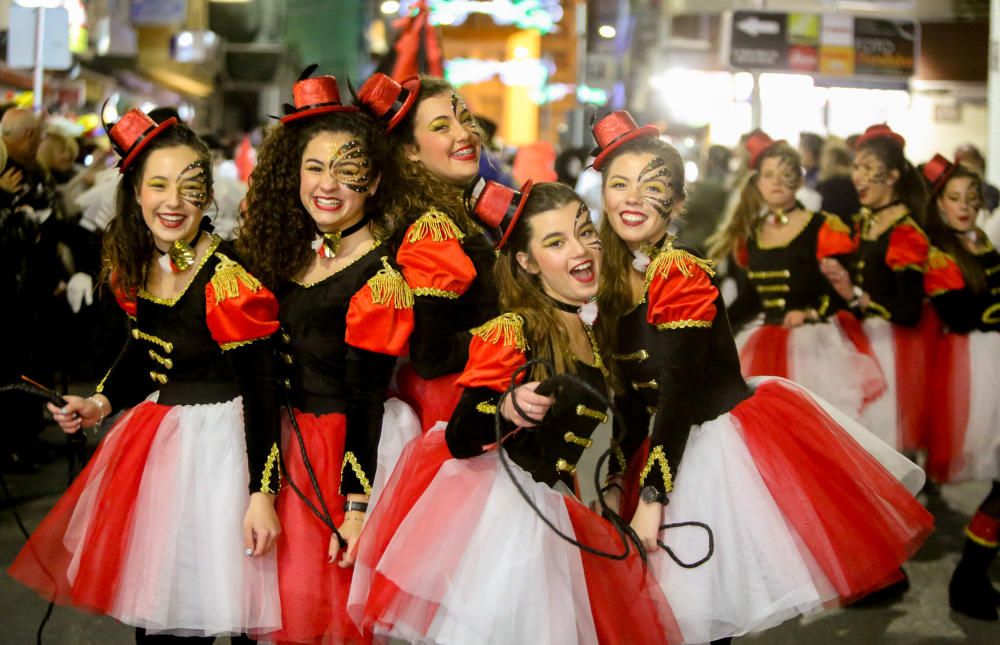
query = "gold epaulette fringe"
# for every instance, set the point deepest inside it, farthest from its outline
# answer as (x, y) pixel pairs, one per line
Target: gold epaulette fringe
(506, 329)
(670, 257)
(389, 288)
(937, 259)
(437, 224)
(228, 274)
(836, 224)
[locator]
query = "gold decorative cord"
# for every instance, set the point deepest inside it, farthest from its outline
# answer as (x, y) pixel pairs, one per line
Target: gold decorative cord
(683, 324)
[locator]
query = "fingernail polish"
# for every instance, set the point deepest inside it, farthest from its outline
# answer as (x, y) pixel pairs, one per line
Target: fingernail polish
(248, 552)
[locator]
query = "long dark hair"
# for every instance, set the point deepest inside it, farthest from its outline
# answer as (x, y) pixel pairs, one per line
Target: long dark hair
(128, 244)
(414, 188)
(276, 231)
(910, 188)
(945, 239)
(520, 292)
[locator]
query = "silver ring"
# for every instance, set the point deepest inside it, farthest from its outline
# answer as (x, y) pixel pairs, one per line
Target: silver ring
(531, 408)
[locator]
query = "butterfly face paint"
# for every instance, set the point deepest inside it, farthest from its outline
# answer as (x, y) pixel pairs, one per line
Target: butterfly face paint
(639, 198)
(335, 180)
(464, 116)
(871, 179)
(565, 253)
(777, 181)
(654, 185)
(582, 219)
(192, 184)
(352, 167)
(447, 139)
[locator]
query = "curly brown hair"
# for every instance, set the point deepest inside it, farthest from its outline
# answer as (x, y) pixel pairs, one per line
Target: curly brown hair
(128, 244)
(276, 231)
(414, 188)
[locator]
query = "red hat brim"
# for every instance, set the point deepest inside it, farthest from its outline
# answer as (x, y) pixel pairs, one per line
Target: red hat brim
(525, 191)
(412, 86)
(625, 138)
(145, 141)
(316, 111)
(754, 162)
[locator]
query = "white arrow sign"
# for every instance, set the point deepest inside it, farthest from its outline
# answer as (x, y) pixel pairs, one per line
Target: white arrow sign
(754, 26)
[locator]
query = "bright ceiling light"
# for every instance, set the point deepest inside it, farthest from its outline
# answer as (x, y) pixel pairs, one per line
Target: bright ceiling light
(389, 7)
(607, 31)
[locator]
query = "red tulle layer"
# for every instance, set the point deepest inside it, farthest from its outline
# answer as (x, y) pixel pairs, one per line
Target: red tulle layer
(766, 352)
(859, 523)
(44, 562)
(913, 349)
(313, 591)
(855, 332)
(948, 403)
(432, 399)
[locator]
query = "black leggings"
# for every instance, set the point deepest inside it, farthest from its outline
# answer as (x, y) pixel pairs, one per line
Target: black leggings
(991, 505)
(142, 638)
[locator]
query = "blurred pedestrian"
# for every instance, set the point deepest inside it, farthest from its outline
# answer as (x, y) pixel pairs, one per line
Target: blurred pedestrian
(835, 186)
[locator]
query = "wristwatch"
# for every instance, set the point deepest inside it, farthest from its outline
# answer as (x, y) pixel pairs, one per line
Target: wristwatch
(649, 494)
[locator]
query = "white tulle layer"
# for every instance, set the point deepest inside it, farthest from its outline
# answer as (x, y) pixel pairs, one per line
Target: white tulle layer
(981, 445)
(880, 416)
(400, 425)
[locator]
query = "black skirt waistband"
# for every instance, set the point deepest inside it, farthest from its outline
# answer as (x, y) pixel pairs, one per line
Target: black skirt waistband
(197, 392)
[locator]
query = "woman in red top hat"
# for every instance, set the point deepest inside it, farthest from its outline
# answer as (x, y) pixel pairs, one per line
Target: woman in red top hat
(754, 462)
(807, 335)
(453, 554)
(435, 145)
(963, 283)
(346, 313)
(884, 285)
(171, 526)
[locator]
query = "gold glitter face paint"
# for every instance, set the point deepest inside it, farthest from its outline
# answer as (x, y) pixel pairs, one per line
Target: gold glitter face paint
(464, 116)
(653, 184)
(351, 167)
(192, 184)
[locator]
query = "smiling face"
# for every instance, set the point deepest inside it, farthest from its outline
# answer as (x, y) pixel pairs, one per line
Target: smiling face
(872, 179)
(777, 182)
(173, 194)
(959, 203)
(639, 198)
(335, 179)
(564, 252)
(447, 138)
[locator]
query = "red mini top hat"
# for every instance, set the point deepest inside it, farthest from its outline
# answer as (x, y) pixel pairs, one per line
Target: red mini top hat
(756, 144)
(879, 130)
(614, 130)
(498, 208)
(132, 133)
(314, 96)
(938, 171)
(387, 99)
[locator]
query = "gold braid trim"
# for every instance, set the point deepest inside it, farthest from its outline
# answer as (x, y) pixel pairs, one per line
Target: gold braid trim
(684, 324)
(992, 314)
(992, 270)
(619, 456)
(584, 411)
(431, 291)
(657, 457)
(239, 343)
(824, 305)
(389, 288)
(436, 223)
(227, 278)
(265, 480)
(768, 275)
(878, 310)
(486, 408)
(836, 224)
(670, 257)
(149, 338)
(349, 458)
(506, 329)
(938, 259)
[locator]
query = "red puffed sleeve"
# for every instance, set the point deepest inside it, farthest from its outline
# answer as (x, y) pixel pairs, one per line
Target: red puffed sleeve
(741, 254)
(380, 316)
(943, 273)
(432, 258)
(834, 238)
(238, 308)
(680, 293)
(497, 349)
(125, 300)
(908, 247)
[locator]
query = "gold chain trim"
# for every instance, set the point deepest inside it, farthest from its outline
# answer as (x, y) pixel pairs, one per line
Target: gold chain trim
(571, 437)
(389, 288)
(584, 411)
(349, 458)
(878, 310)
(657, 457)
(273, 458)
(638, 356)
(165, 362)
(649, 385)
(437, 224)
(170, 302)
(684, 324)
(227, 278)
(772, 288)
(670, 257)
(149, 338)
(506, 329)
(619, 456)
(768, 275)
(431, 291)
(239, 343)
(990, 316)
(486, 408)
(598, 361)
(309, 285)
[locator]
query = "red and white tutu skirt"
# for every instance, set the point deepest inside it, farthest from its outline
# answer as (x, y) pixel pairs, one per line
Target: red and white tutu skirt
(433, 399)
(453, 554)
(151, 532)
(964, 408)
(313, 591)
(897, 417)
(807, 508)
(833, 359)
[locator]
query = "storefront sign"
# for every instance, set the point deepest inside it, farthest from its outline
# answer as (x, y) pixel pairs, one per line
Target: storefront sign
(831, 44)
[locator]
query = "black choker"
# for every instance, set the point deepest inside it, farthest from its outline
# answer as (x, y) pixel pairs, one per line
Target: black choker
(327, 245)
(868, 214)
(780, 216)
(587, 311)
(180, 256)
